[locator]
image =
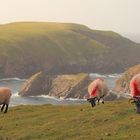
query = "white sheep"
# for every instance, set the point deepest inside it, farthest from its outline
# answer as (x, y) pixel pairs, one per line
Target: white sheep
(97, 90)
(5, 94)
(135, 91)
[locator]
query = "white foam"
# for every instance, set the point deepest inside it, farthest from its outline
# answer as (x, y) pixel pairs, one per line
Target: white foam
(114, 75)
(47, 96)
(59, 99)
(96, 75)
(125, 95)
(12, 79)
(75, 99)
(15, 94)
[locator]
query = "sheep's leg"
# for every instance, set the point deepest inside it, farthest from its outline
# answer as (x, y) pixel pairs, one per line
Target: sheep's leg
(103, 101)
(2, 107)
(92, 104)
(98, 101)
(6, 109)
(137, 103)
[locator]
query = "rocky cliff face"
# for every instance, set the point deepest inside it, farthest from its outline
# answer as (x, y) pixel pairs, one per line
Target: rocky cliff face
(37, 84)
(65, 86)
(122, 84)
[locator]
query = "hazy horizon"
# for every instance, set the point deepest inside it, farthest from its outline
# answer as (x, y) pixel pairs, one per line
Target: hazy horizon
(121, 16)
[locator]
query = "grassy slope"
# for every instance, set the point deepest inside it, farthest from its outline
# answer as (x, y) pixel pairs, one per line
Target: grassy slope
(111, 121)
(37, 44)
(28, 47)
(53, 38)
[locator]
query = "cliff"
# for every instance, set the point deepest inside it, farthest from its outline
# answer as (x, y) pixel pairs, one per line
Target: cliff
(59, 48)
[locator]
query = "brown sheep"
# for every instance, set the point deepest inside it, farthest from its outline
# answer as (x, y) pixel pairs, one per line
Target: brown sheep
(5, 94)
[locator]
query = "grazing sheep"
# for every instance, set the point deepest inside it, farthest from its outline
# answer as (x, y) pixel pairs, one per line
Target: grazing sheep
(5, 94)
(135, 91)
(97, 90)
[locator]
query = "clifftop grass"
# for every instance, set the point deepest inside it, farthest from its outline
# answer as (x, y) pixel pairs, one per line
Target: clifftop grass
(111, 121)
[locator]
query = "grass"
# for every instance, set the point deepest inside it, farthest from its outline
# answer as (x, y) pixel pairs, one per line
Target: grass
(111, 121)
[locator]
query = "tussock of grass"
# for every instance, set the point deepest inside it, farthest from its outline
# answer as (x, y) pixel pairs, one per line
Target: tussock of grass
(111, 121)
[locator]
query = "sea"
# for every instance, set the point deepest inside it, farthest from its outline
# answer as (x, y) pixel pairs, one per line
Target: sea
(15, 84)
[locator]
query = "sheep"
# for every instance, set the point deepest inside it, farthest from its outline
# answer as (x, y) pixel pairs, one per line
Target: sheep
(97, 90)
(5, 94)
(135, 91)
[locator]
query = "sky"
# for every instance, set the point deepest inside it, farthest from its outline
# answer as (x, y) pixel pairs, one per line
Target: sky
(122, 16)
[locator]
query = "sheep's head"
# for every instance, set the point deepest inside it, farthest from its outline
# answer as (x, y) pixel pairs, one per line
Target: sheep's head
(92, 101)
(132, 100)
(135, 100)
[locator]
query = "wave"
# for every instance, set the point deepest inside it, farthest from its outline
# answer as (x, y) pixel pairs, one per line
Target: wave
(96, 75)
(12, 79)
(75, 99)
(50, 97)
(39, 96)
(125, 95)
(115, 75)
(58, 99)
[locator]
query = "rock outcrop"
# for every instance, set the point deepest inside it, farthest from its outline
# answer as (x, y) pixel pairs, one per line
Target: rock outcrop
(37, 84)
(122, 84)
(65, 86)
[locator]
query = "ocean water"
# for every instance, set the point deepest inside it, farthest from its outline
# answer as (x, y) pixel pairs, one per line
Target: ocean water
(15, 84)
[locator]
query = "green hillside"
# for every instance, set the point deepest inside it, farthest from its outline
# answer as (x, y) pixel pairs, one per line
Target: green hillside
(28, 47)
(112, 121)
